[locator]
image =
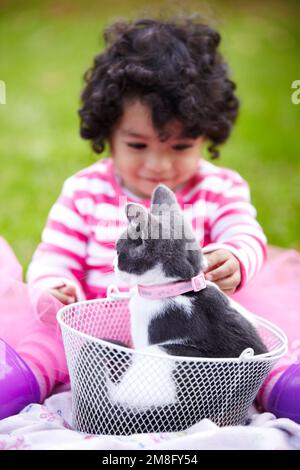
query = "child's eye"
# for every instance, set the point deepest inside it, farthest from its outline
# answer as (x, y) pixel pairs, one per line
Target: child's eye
(137, 146)
(181, 147)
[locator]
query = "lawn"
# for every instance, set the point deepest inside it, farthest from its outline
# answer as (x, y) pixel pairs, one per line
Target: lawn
(46, 46)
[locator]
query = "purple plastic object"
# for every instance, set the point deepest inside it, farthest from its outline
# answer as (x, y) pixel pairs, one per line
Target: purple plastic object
(18, 386)
(284, 399)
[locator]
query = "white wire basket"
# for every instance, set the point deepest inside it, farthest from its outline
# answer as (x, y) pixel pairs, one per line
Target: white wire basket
(121, 391)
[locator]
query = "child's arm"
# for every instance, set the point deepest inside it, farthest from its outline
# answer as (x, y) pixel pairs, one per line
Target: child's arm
(238, 244)
(58, 265)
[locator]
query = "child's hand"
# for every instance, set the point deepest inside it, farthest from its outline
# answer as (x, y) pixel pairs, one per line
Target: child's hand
(65, 294)
(224, 270)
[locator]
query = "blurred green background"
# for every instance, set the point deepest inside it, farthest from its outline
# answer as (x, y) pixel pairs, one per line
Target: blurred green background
(45, 47)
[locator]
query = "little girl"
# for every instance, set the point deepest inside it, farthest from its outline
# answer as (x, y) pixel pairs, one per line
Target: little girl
(158, 93)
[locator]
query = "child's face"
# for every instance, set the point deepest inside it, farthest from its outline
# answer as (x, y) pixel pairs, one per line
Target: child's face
(143, 161)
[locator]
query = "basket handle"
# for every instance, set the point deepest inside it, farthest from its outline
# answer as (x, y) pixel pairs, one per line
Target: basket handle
(247, 354)
(113, 293)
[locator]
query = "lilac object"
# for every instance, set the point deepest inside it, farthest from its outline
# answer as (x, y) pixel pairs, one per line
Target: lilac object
(18, 386)
(284, 399)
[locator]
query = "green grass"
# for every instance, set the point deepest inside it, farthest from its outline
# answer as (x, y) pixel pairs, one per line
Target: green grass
(46, 46)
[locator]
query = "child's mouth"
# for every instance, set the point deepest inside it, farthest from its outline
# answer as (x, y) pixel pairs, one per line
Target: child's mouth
(158, 180)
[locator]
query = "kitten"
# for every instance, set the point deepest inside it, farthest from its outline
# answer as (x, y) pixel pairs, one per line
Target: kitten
(159, 247)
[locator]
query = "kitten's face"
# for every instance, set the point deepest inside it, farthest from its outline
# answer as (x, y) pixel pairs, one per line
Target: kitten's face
(157, 246)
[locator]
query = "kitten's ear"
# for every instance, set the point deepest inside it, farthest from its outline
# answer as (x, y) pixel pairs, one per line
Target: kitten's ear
(137, 217)
(135, 211)
(163, 199)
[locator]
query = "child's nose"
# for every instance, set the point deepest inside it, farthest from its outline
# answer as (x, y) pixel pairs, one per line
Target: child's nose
(158, 164)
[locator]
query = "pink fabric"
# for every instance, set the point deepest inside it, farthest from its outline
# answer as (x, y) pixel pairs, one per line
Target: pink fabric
(9, 262)
(171, 289)
(28, 323)
(275, 295)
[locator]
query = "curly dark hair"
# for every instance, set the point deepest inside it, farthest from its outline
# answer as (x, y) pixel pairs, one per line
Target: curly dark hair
(174, 67)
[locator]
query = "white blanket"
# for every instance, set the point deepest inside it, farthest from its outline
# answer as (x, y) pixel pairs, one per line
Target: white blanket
(48, 426)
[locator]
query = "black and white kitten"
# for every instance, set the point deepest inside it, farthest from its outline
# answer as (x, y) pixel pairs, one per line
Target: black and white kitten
(159, 247)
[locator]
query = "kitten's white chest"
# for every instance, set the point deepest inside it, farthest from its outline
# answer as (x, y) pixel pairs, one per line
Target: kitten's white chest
(142, 311)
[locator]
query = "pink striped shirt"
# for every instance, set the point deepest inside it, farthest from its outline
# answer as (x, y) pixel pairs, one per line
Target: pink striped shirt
(78, 242)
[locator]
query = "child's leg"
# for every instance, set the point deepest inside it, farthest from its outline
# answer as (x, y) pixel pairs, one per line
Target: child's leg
(32, 358)
(29, 373)
(280, 393)
(18, 386)
(267, 386)
(45, 356)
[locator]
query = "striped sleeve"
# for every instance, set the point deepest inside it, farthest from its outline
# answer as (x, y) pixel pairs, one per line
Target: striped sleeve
(233, 226)
(60, 257)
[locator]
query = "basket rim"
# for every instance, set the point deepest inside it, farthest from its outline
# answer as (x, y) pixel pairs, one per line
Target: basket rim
(273, 355)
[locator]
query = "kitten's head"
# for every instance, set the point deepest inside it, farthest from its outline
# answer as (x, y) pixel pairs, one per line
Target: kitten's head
(158, 245)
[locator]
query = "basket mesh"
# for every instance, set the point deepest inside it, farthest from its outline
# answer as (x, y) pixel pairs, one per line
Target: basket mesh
(156, 393)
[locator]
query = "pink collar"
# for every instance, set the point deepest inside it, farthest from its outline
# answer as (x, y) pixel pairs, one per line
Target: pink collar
(171, 289)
